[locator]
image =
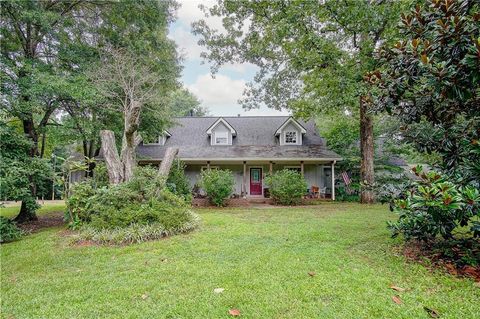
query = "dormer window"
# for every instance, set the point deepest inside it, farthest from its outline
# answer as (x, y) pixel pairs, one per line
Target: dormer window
(221, 132)
(221, 138)
(290, 137)
(162, 139)
(290, 132)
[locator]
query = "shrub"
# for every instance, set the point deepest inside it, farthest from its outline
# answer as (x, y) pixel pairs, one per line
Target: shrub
(157, 210)
(9, 230)
(286, 187)
(143, 201)
(218, 184)
(435, 206)
(135, 233)
(177, 181)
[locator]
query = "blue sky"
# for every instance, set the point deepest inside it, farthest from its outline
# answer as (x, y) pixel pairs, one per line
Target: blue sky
(220, 94)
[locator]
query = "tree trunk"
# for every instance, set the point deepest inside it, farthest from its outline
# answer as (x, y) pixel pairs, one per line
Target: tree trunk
(26, 212)
(110, 154)
(130, 139)
(128, 158)
(367, 176)
(167, 161)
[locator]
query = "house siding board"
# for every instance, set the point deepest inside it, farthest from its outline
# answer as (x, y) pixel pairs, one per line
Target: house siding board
(312, 172)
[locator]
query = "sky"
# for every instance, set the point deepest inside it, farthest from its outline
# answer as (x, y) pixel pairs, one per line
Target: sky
(219, 94)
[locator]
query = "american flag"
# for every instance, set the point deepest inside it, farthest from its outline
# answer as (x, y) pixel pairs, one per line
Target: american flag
(346, 178)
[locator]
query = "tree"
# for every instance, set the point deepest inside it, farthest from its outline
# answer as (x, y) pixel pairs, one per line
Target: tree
(432, 83)
(131, 86)
(185, 103)
(34, 35)
(18, 171)
(312, 57)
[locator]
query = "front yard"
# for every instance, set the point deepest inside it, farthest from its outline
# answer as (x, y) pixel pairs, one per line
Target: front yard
(333, 260)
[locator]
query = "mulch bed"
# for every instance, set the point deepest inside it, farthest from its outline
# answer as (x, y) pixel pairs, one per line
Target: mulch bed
(437, 259)
(46, 221)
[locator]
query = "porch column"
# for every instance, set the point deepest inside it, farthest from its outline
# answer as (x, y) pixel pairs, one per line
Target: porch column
(208, 165)
(271, 168)
(333, 180)
(301, 167)
(244, 182)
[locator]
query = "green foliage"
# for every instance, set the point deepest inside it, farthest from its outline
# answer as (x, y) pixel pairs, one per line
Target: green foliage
(9, 230)
(177, 181)
(436, 206)
(136, 233)
(18, 171)
(123, 209)
(218, 184)
(342, 195)
(184, 103)
(287, 187)
(312, 56)
(432, 78)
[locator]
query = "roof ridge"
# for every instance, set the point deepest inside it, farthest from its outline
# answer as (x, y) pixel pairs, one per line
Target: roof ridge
(229, 116)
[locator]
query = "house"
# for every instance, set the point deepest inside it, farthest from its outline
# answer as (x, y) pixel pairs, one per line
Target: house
(249, 146)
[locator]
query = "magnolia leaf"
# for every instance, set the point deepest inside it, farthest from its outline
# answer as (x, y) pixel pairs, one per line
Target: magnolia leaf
(397, 300)
(432, 312)
(234, 312)
(397, 288)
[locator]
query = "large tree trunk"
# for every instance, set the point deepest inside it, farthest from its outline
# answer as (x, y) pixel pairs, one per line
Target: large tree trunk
(112, 160)
(367, 176)
(27, 213)
(130, 140)
(167, 161)
(128, 158)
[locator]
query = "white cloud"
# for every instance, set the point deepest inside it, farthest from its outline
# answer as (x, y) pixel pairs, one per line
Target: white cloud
(187, 43)
(189, 12)
(220, 96)
(218, 91)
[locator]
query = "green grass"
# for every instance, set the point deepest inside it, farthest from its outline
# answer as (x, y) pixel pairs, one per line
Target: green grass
(260, 256)
(46, 209)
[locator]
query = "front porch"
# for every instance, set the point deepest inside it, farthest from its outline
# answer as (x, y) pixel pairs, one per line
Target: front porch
(250, 175)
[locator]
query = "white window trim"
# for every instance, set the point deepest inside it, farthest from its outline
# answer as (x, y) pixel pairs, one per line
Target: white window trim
(297, 138)
(220, 135)
(211, 129)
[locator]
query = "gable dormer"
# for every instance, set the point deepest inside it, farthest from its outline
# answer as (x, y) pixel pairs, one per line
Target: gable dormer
(162, 138)
(291, 132)
(221, 132)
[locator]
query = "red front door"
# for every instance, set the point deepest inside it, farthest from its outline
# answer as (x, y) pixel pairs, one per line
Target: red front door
(255, 181)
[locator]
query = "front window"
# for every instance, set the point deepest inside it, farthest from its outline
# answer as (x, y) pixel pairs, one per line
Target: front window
(291, 137)
(221, 138)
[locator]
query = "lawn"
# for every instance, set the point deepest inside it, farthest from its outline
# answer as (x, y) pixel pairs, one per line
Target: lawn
(12, 211)
(261, 257)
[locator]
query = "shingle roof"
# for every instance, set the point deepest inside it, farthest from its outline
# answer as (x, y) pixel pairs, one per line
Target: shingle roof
(255, 140)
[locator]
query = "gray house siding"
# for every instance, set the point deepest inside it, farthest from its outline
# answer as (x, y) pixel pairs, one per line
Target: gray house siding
(313, 173)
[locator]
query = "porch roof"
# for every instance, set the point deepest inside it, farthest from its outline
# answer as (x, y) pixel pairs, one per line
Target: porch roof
(242, 152)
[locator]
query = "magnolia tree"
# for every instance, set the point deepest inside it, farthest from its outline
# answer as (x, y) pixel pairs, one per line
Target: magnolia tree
(432, 84)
